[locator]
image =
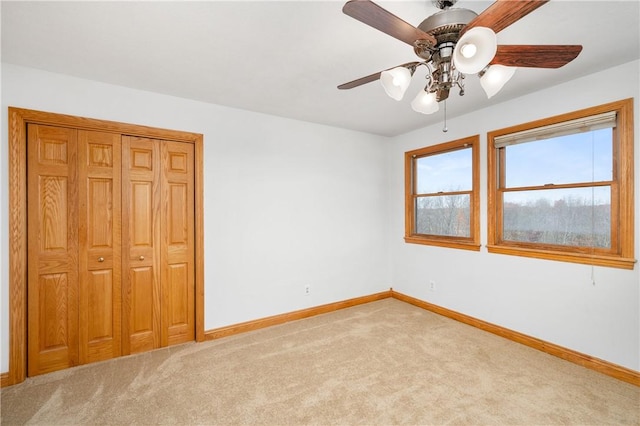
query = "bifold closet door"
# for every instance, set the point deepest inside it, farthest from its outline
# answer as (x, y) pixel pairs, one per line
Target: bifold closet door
(141, 244)
(110, 246)
(100, 265)
(178, 243)
(52, 223)
(158, 240)
(73, 220)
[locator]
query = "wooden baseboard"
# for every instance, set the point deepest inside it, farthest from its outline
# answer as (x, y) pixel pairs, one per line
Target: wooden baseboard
(230, 330)
(4, 380)
(587, 361)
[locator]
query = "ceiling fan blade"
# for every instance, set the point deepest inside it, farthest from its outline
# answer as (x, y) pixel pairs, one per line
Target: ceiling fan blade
(360, 81)
(503, 13)
(375, 16)
(372, 77)
(536, 56)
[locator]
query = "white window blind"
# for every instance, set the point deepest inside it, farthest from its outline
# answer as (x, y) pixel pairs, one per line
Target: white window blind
(580, 125)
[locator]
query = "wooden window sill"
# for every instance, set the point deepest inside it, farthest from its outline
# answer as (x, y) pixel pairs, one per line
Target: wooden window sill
(465, 245)
(587, 259)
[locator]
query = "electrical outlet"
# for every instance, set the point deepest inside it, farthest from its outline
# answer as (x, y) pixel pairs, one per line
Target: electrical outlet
(432, 285)
(307, 290)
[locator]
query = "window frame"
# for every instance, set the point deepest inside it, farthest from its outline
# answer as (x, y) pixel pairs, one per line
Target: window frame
(621, 254)
(467, 243)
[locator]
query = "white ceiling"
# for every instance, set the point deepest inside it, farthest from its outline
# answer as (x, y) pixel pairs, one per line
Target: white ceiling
(286, 58)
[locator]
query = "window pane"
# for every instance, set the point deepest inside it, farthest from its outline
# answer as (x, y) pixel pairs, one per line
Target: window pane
(447, 172)
(570, 217)
(583, 157)
(446, 215)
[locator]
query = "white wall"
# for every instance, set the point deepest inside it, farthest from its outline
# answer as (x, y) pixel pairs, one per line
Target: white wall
(554, 301)
(287, 203)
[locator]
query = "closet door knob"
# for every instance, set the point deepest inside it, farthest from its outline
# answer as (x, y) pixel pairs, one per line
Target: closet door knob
(101, 259)
(141, 258)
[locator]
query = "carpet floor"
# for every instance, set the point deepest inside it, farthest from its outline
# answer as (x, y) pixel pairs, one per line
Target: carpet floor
(381, 363)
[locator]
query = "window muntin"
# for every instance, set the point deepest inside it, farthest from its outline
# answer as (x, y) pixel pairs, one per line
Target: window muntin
(564, 191)
(441, 185)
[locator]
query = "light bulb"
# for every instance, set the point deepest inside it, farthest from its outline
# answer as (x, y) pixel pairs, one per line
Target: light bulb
(468, 50)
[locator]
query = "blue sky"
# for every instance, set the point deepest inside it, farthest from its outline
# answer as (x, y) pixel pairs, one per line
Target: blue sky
(450, 171)
(583, 157)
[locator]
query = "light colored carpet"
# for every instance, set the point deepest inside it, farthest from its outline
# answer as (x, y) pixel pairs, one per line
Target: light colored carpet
(385, 362)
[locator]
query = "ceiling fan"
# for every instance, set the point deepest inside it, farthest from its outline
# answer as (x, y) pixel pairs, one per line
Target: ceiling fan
(455, 42)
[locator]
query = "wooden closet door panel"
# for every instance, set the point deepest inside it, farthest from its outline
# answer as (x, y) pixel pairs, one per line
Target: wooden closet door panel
(178, 254)
(99, 179)
(52, 224)
(141, 244)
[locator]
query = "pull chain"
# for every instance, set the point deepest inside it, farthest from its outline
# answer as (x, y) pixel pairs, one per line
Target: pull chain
(445, 129)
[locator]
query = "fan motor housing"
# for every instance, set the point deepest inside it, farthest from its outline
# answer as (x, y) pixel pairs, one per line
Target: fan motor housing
(446, 25)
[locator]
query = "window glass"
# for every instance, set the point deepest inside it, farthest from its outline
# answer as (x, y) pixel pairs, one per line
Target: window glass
(582, 157)
(443, 215)
(571, 217)
(446, 172)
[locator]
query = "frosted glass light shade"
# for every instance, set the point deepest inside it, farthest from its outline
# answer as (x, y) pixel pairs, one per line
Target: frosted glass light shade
(475, 49)
(426, 103)
(395, 81)
(495, 77)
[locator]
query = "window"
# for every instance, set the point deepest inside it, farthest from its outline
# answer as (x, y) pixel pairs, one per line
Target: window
(441, 195)
(562, 188)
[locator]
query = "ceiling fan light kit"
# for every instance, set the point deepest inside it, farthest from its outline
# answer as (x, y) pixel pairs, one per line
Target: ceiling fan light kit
(456, 42)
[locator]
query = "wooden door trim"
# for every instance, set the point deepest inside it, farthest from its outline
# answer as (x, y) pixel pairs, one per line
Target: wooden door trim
(17, 121)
